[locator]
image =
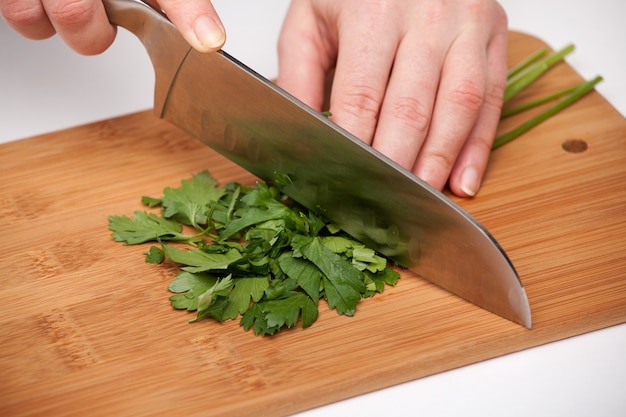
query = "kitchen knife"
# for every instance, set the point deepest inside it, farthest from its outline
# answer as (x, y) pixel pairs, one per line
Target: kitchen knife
(251, 121)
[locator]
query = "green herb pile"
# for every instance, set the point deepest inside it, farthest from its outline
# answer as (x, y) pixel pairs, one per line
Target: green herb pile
(252, 252)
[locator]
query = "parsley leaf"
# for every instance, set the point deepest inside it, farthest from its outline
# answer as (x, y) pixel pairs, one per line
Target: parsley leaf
(362, 256)
(222, 287)
(154, 255)
(306, 274)
(245, 291)
(201, 261)
(259, 206)
(343, 284)
(188, 287)
(268, 317)
(144, 227)
(285, 311)
(151, 201)
(255, 318)
(191, 203)
(375, 282)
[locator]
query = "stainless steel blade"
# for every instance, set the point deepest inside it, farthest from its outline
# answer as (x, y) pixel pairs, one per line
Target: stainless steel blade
(271, 134)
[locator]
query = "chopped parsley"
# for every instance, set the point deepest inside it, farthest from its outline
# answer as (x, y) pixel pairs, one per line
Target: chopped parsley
(252, 253)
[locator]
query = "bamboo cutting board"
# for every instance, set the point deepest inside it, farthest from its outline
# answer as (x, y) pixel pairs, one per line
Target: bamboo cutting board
(86, 327)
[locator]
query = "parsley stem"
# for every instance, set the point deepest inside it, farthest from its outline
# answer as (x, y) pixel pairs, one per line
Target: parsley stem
(231, 206)
(581, 90)
(204, 232)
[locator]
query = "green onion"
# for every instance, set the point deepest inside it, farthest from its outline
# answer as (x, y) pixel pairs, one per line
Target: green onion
(526, 106)
(528, 75)
(527, 62)
(580, 90)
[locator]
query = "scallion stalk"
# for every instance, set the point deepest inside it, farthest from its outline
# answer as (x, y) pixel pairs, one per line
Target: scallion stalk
(531, 59)
(526, 106)
(581, 90)
(527, 76)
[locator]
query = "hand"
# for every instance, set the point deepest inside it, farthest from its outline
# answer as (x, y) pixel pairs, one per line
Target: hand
(420, 80)
(84, 26)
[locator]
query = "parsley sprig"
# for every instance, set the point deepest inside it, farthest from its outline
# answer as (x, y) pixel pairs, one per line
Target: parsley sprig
(253, 254)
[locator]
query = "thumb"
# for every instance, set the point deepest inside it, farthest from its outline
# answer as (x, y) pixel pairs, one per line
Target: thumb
(198, 23)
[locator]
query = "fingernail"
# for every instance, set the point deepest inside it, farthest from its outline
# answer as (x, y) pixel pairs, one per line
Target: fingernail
(469, 181)
(209, 33)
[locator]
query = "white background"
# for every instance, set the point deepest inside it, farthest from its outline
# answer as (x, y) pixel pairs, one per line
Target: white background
(44, 86)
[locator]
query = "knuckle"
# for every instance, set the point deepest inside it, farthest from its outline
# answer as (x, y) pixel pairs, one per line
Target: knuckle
(481, 143)
(73, 12)
(435, 168)
(441, 160)
(468, 94)
(413, 113)
(21, 13)
(494, 95)
(361, 102)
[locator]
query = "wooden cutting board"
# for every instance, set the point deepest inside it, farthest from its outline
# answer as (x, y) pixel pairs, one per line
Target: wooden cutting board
(86, 327)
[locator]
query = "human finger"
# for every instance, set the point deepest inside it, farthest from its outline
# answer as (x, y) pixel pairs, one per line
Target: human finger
(409, 100)
(363, 66)
(467, 173)
(82, 24)
(198, 23)
(304, 58)
(27, 17)
(459, 100)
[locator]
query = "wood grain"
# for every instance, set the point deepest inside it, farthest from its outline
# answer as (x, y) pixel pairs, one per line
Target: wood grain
(86, 327)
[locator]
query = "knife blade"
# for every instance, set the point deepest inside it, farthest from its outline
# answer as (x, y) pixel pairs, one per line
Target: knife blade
(270, 133)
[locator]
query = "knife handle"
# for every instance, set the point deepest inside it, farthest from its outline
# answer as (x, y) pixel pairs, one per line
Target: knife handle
(165, 45)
